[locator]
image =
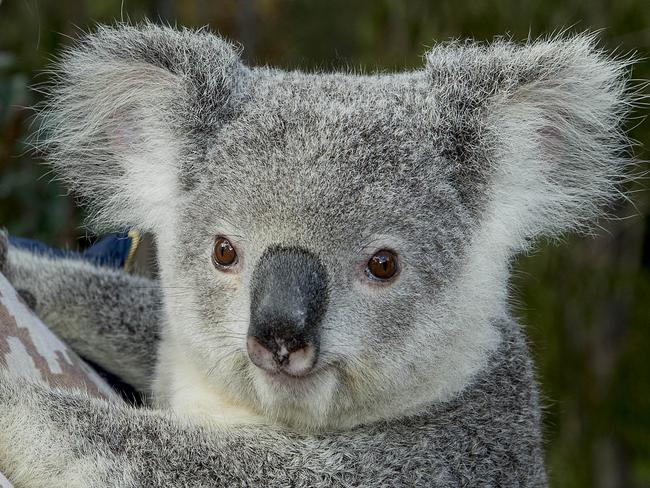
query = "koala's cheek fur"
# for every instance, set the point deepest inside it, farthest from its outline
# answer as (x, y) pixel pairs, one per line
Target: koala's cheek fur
(202, 355)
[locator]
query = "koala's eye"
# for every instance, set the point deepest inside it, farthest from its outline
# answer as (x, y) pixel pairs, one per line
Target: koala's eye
(383, 265)
(224, 254)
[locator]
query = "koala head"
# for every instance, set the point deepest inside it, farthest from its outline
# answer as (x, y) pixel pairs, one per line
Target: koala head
(334, 248)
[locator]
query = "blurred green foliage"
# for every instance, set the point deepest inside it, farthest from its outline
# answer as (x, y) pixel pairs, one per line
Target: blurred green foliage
(586, 303)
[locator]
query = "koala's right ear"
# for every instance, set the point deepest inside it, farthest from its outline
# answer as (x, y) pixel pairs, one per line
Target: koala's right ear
(124, 101)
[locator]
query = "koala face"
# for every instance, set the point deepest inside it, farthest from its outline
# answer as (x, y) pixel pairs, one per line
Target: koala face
(306, 198)
(334, 248)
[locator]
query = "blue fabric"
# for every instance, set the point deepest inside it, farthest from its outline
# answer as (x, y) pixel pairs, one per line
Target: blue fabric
(111, 251)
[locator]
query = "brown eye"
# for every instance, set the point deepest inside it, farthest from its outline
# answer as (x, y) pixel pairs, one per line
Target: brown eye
(383, 265)
(224, 254)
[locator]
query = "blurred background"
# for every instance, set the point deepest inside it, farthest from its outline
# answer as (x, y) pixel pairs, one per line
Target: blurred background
(586, 302)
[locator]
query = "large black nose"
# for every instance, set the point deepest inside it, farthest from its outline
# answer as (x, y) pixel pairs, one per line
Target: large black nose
(288, 301)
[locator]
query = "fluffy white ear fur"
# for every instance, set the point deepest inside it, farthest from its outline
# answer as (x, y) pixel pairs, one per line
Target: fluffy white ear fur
(553, 135)
(122, 102)
(110, 115)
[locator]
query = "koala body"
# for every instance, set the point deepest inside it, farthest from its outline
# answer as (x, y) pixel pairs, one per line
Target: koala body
(306, 178)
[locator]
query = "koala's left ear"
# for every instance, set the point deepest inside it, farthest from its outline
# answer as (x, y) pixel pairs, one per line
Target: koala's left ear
(124, 103)
(550, 117)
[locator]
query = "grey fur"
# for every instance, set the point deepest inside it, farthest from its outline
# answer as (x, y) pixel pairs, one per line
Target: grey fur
(456, 167)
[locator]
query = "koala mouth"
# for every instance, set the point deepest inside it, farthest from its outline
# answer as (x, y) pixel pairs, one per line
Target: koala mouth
(283, 379)
(283, 382)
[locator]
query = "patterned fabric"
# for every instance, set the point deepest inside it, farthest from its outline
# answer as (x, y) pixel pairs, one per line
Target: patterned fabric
(30, 350)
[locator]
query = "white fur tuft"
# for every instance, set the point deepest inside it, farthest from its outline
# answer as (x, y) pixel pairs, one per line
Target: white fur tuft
(123, 102)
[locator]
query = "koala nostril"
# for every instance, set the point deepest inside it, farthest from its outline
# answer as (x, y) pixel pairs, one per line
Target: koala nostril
(274, 356)
(260, 355)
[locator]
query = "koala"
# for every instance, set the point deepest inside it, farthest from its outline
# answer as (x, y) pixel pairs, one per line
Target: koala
(334, 254)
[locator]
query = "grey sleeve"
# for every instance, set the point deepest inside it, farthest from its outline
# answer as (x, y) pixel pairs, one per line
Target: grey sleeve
(107, 316)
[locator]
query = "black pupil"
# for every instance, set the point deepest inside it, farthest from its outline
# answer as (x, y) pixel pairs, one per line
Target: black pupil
(225, 252)
(384, 262)
(382, 265)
